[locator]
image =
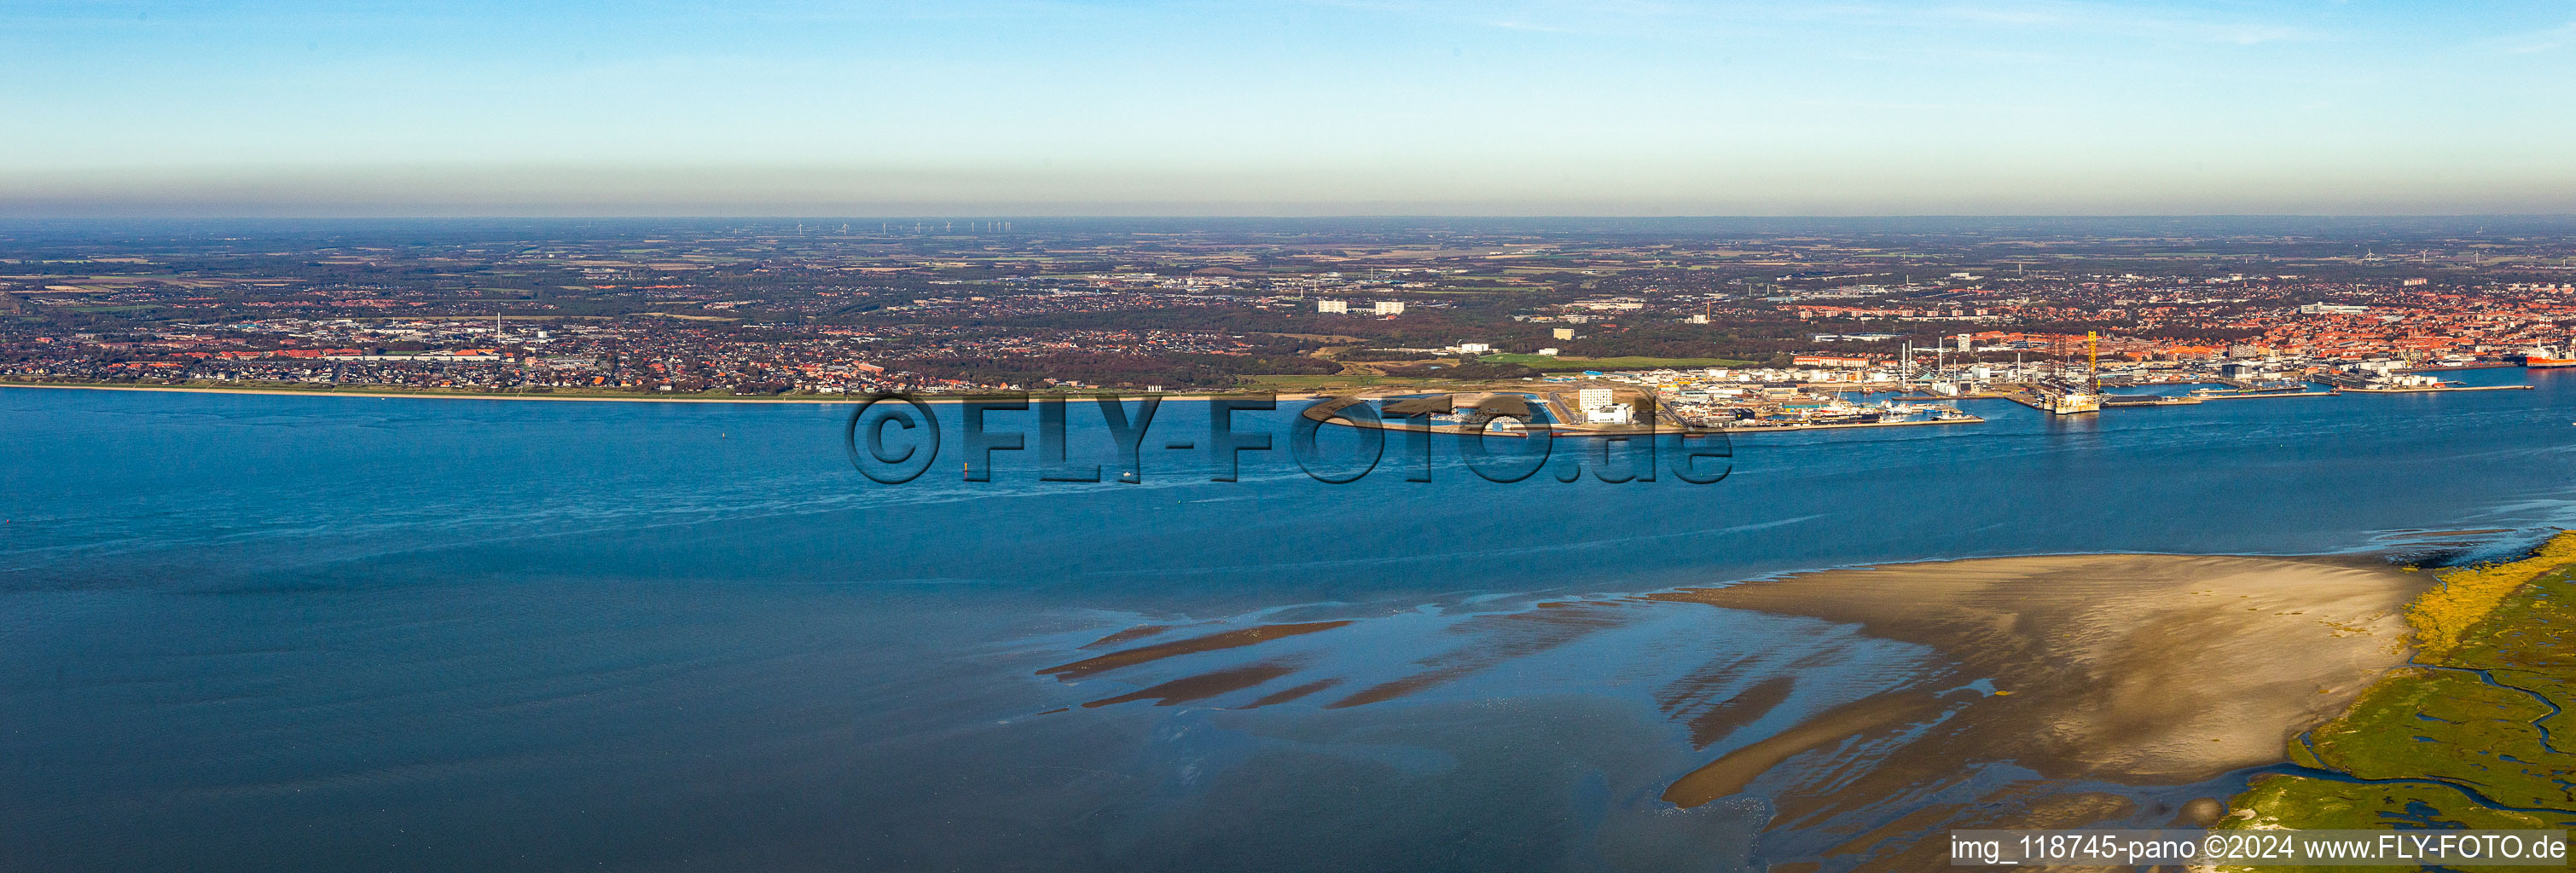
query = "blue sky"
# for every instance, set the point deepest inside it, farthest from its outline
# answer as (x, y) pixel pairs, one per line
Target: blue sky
(1361, 107)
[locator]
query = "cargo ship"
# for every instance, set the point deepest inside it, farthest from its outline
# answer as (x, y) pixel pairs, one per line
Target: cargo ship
(2544, 357)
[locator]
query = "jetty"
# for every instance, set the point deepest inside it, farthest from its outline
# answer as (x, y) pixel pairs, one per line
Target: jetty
(2429, 389)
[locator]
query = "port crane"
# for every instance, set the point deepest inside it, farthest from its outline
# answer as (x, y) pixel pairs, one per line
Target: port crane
(2093, 361)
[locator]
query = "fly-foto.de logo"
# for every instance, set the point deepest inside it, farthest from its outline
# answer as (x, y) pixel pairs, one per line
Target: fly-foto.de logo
(1500, 437)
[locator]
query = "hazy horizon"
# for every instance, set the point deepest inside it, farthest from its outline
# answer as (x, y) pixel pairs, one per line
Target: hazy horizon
(1548, 108)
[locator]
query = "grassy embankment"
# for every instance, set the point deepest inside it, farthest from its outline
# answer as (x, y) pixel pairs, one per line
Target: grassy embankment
(1559, 363)
(1337, 382)
(370, 390)
(2446, 728)
(608, 394)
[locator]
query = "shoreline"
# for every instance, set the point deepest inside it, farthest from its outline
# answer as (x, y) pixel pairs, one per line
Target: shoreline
(2459, 735)
(843, 400)
(2114, 690)
(850, 400)
(2168, 674)
(954, 398)
(1969, 419)
(2437, 389)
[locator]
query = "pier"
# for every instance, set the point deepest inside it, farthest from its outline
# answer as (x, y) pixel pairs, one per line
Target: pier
(2430, 389)
(1792, 425)
(2128, 400)
(2258, 395)
(2405, 385)
(2056, 399)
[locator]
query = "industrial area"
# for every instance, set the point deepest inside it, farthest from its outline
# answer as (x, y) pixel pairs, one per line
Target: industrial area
(1906, 391)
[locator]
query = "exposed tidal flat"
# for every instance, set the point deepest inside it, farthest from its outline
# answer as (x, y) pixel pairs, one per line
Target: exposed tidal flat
(2055, 692)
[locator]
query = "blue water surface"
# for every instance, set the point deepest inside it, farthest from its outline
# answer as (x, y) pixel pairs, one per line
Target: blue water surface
(245, 632)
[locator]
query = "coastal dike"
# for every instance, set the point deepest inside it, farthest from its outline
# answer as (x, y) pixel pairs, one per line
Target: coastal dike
(2471, 732)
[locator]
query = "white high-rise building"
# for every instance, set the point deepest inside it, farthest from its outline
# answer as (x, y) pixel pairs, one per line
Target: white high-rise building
(1390, 307)
(1332, 306)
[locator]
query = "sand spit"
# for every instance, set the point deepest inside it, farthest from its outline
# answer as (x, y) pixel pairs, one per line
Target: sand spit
(1233, 639)
(2131, 669)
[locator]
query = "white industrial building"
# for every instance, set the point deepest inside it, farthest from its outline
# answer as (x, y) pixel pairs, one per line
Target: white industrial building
(1601, 406)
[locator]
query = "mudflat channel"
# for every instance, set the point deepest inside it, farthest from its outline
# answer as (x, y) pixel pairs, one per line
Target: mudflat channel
(2128, 690)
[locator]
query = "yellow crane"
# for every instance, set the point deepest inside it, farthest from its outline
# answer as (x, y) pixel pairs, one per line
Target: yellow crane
(2093, 360)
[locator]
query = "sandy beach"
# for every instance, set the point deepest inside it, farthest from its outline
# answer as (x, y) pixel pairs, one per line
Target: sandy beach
(2133, 669)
